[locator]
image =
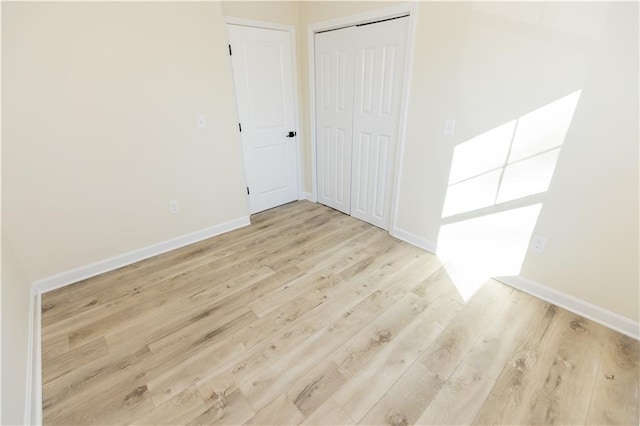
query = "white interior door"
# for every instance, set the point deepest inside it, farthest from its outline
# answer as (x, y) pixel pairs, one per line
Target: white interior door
(263, 79)
(334, 66)
(379, 69)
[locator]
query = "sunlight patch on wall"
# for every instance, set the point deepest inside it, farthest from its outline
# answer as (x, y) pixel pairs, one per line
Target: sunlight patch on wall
(510, 162)
(472, 158)
(527, 177)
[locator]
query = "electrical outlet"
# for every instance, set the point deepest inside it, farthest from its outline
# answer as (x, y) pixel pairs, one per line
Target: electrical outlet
(537, 243)
(174, 207)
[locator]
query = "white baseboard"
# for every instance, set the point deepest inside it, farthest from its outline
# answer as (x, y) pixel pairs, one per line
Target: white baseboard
(36, 380)
(306, 196)
(30, 360)
(414, 239)
(595, 313)
(106, 265)
(33, 386)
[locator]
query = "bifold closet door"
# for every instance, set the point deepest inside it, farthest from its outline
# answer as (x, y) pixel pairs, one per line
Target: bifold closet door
(359, 72)
(379, 70)
(334, 60)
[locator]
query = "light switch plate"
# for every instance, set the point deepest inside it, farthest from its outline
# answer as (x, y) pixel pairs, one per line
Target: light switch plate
(537, 243)
(202, 122)
(449, 127)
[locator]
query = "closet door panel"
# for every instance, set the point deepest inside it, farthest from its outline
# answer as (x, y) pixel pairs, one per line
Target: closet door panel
(379, 69)
(334, 69)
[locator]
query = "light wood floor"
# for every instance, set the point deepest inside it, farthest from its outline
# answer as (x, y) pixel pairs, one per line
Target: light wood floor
(310, 316)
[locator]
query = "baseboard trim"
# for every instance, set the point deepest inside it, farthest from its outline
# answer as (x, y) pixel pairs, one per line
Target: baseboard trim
(595, 313)
(28, 397)
(306, 196)
(414, 239)
(87, 271)
(33, 386)
(36, 390)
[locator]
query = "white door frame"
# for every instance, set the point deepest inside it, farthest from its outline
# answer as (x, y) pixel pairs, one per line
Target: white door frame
(373, 15)
(233, 20)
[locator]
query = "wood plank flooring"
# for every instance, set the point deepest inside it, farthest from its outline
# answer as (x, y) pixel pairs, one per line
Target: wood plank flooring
(312, 317)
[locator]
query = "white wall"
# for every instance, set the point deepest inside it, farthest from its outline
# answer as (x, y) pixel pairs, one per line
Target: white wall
(99, 129)
(16, 294)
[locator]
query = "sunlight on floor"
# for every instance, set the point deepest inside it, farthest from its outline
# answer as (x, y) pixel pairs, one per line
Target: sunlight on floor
(486, 246)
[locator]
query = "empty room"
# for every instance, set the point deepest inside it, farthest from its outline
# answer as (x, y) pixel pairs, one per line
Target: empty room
(320, 213)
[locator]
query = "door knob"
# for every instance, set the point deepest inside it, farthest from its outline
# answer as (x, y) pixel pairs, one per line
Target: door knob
(291, 134)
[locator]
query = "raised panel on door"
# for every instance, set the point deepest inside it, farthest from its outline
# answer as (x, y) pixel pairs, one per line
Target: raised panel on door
(263, 81)
(334, 66)
(379, 70)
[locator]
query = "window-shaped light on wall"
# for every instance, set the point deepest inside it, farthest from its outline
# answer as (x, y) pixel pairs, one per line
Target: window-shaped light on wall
(535, 149)
(511, 161)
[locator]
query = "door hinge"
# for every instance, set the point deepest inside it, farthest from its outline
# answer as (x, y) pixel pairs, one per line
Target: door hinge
(240, 127)
(248, 193)
(230, 50)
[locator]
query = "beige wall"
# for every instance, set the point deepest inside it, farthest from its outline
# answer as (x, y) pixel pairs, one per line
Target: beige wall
(99, 133)
(16, 293)
(591, 214)
(279, 12)
(99, 129)
(484, 64)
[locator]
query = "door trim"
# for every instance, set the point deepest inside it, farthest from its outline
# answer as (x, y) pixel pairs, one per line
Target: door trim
(234, 20)
(373, 15)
